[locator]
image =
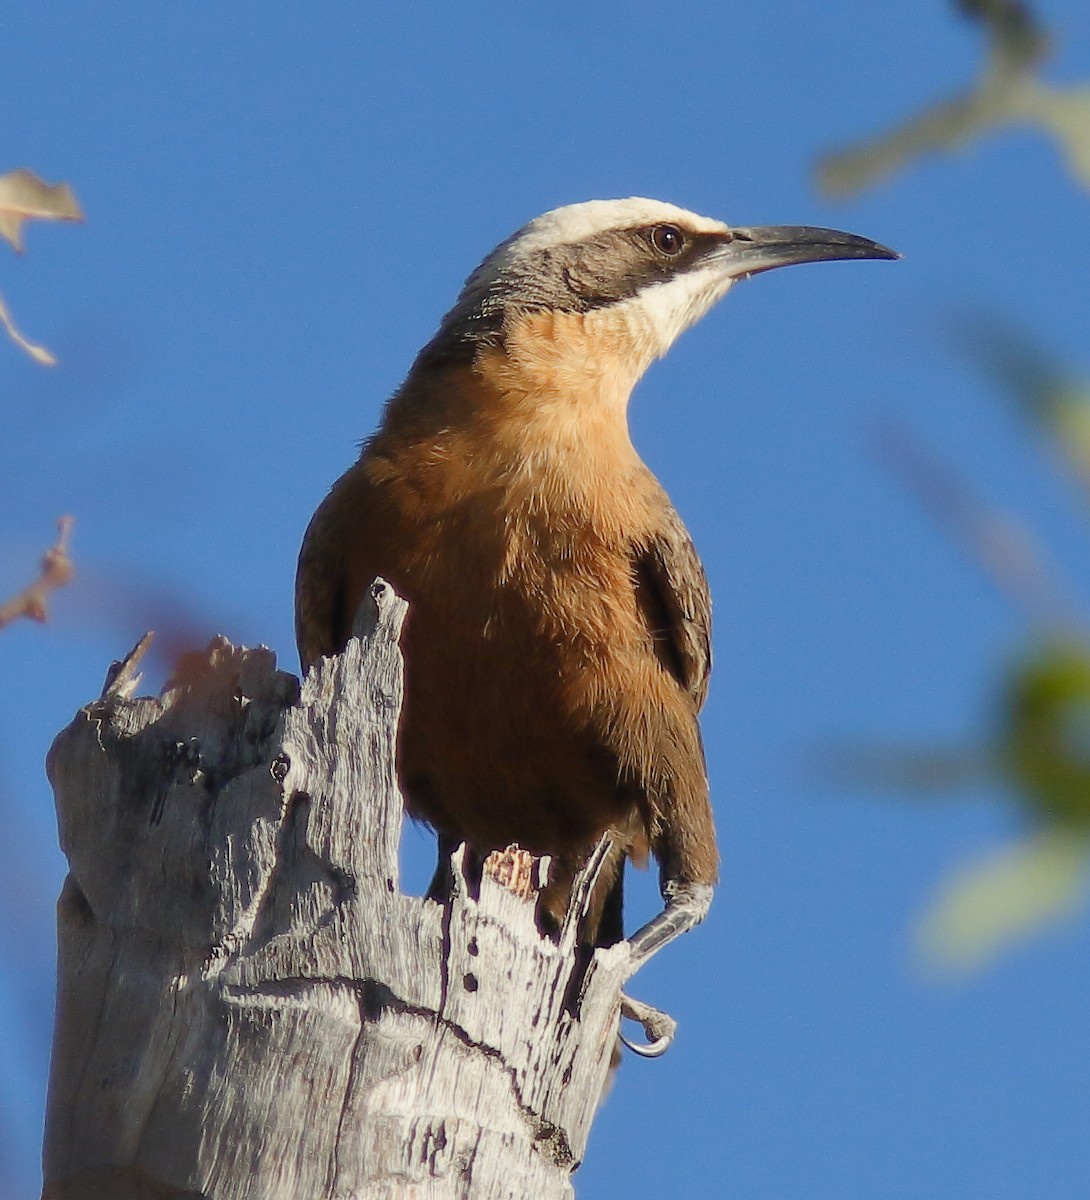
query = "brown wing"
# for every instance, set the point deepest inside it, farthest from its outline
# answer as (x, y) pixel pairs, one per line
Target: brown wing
(320, 590)
(672, 592)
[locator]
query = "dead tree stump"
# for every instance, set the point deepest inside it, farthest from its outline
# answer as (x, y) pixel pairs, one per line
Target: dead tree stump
(248, 1007)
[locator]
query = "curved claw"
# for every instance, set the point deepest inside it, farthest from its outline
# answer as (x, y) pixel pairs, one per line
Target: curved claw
(660, 1028)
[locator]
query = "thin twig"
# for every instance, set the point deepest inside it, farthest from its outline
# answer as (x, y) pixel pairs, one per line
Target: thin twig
(1005, 551)
(56, 571)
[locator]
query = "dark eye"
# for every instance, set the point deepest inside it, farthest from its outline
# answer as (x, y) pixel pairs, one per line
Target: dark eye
(668, 240)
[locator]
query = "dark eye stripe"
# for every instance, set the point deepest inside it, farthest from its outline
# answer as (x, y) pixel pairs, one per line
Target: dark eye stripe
(603, 269)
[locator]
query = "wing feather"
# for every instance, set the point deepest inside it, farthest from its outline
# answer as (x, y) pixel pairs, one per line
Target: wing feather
(672, 593)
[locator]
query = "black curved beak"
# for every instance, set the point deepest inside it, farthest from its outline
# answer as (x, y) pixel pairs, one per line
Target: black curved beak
(748, 251)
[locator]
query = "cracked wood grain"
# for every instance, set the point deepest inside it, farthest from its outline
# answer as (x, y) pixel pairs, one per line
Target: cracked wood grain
(249, 1007)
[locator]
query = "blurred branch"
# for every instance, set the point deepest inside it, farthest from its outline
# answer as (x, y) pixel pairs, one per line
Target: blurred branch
(1042, 746)
(1039, 750)
(1007, 92)
(56, 571)
(1053, 399)
(924, 771)
(23, 197)
(1002, 548)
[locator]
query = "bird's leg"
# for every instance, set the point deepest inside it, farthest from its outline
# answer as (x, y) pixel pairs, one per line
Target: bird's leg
(442, 882)
(687, 905)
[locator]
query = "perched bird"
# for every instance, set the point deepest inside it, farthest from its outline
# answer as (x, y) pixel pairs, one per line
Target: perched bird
(557, 641)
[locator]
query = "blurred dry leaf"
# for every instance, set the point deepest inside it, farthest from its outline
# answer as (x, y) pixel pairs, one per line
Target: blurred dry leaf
(984, 909)
(1008, 92)
(23, 196)
(56, 570)
(40, 353)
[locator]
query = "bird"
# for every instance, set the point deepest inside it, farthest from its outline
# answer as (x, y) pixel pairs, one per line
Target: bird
(557, 645)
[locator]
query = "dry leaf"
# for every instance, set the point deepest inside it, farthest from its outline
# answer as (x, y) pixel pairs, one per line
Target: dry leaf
(23, 196)
(56, 571)
(39, 353)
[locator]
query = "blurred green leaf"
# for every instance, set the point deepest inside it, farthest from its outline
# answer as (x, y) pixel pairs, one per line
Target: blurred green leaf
(1043, 751)
(1007, 93)
(1065, 114)
(1044, 741)
(986, 908)
(1040, 750)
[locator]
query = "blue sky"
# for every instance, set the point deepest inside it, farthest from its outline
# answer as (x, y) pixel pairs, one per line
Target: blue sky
(281, 203)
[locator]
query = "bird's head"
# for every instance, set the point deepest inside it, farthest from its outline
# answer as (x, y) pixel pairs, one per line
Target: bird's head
(638, 272)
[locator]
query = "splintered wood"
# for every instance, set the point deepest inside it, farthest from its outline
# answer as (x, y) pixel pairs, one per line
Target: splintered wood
(516, 870)
(249, 1007)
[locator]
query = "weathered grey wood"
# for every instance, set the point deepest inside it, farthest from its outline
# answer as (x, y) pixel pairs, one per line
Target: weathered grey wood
(247, 1004)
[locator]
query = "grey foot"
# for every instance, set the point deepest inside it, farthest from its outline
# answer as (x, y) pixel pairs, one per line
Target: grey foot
(659, 1027)
(687, 905)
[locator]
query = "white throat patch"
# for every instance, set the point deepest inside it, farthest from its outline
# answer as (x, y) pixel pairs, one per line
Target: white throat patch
(670, 308)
